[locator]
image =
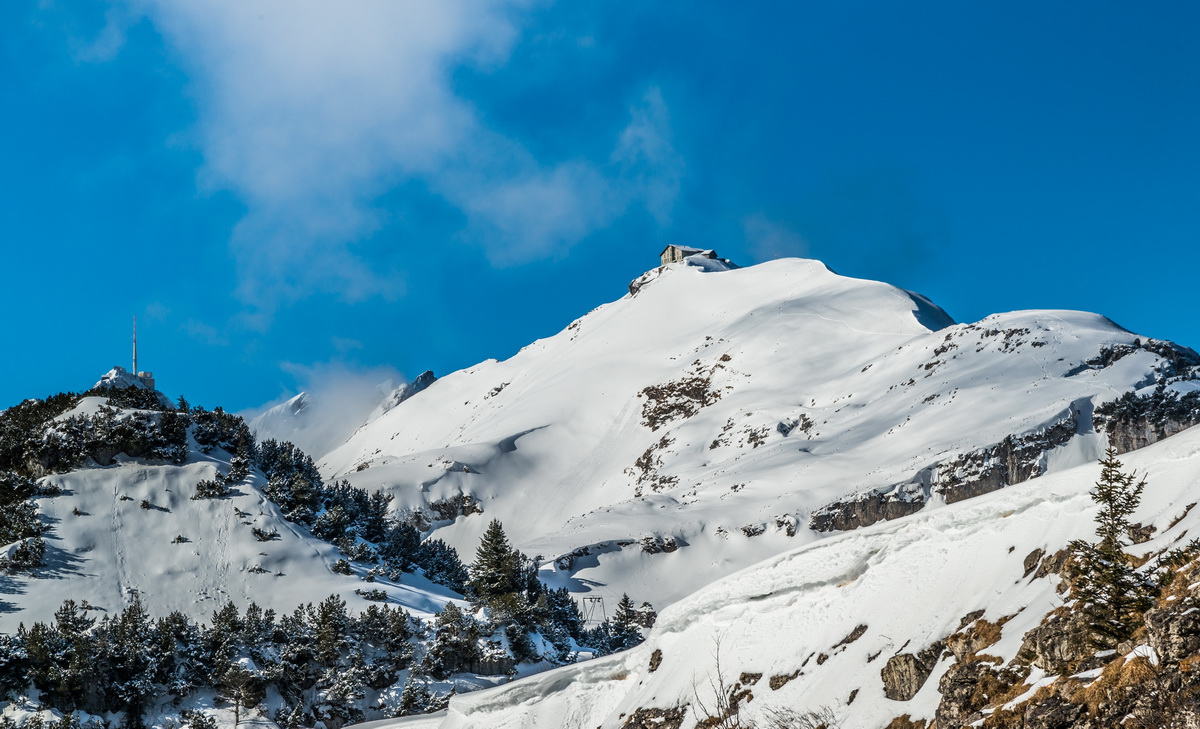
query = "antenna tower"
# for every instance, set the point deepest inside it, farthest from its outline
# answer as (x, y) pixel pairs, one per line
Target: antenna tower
(135, 369)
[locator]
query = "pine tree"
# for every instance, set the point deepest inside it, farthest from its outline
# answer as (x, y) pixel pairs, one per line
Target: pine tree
(241, 688)
(332, 626)
(625, 633)
(1106, 586)
(414, 700)
(455, 643)
(497, 568)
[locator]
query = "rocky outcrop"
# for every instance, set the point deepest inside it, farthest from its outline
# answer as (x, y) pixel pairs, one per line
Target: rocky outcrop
(1059, 644)
(447, 509)
(1011, 461)
(1176, 361)
(1135, 421)
(656, 718)
(1173, 631)
(967, 688)
(905, 673)
(407, 390)
(1053, 712)
(657, 544)
(1015, 459)
(867, 508)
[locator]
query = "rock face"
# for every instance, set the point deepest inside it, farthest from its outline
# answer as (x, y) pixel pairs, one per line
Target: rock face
(866, 509)
(1011, 461)
(1058, 644)
(656, 718)
(1174, 632)
(966, 688)
(1133, 421)
(906, 673)
(1052, 713)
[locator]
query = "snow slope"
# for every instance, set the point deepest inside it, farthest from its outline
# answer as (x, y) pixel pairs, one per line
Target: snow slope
(104, 546)
(694, 426)
(910, 582)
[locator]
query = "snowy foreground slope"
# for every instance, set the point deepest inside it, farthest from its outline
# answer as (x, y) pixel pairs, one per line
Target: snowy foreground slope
(909, 582)
(709, 418)
(116, 531)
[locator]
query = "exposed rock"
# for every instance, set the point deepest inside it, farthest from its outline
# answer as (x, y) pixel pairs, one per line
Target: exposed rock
(655, 659)
(787, 523)
(965, 643)
(906, 673)
(1141, 533)
(966, 688)
(1054, 564)
(1031, 561)
(1011, 461)
(1134, 421)
(867, 508)
(1059, 643)
(753, 530)
(858, 632)
(1174, 631)
(1178, 361)
(681, 398)
(656, 718)
(408, 389)
(447, 509)
(780, 680)
(1053, 712)
(969, 618)
(655, 544)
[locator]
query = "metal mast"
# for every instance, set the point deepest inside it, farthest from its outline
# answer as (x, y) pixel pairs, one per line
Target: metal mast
(135, 369)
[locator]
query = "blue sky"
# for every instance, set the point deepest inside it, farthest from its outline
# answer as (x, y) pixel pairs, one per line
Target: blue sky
(285, 191)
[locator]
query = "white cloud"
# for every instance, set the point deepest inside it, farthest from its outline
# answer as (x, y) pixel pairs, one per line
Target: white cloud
(309, 111)
(768, 239)
(341, 397)
(649, 159)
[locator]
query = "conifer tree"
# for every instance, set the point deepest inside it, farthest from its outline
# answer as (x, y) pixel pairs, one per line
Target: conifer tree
(455, 642)
(1106, 585)
(497, 568)
(625, 633)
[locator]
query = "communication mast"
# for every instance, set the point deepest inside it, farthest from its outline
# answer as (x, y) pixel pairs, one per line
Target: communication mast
(146, 378)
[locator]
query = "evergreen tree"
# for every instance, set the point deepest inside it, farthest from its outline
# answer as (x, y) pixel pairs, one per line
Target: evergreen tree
(625, 633)
(497, 568)
(331, 629)
(416, 698)
(1106, 585)
(455, 643)
(241, 687)
(400, 544)
(441, 564)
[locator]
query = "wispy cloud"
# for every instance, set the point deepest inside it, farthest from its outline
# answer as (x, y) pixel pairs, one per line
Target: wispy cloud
(341, 397)
(205, 333)
(309, 111)
(768, 239)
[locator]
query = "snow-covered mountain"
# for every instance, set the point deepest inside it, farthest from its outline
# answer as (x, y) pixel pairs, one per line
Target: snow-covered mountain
(825, 628)
(825, 482)
(715, 417)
